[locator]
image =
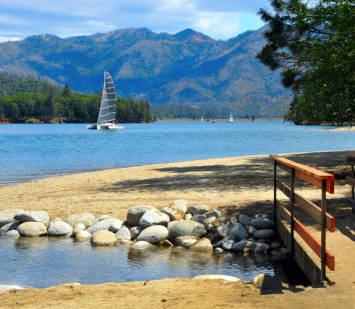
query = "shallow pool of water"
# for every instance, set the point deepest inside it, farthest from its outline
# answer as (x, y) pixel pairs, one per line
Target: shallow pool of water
(43, 262)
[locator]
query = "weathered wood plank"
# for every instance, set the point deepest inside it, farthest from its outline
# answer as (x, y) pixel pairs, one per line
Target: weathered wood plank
(306, 173)
(312, 209)
(309, 239)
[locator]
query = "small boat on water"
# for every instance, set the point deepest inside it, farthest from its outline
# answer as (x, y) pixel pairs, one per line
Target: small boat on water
(231, 119)
(107, 113)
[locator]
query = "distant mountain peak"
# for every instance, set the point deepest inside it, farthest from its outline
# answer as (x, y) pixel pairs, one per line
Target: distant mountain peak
(189, 34)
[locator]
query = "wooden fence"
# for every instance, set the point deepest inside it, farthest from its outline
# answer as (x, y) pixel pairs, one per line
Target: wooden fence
(351, 180)
(319, 179)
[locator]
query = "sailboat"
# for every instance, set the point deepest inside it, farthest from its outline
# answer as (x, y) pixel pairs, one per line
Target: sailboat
(231, 119)
(107, 113)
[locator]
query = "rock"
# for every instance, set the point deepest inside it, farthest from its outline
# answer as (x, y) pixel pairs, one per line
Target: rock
(100, 226)
(259, 280)
(31, 229)
(218, 250)
(262, 223)
(153, 217)
(228, 244)
(217, 277)
(32, 216)
(115, 225)
(12, 234)
(154, 234)
(261, 248)
(239, 232)
(197, 209)
(80, 226)
(240, 245)
(202, 245)
(135, 213)
(5, 287)
(264, 233)
(251, 230)
(6, 217)
(223, 230)
(185, 241)
(84, 218)
(259, 216)
(9, 227)
(244, 219)
(123, 233)
(186, 228)
(103, 238)
(100, 218)
(275, 244)
(175, 210)
(212, 213)
(135, 231)
(60, 228)
(142, 245)
(166, 243)
(82, 235)
(188, 217)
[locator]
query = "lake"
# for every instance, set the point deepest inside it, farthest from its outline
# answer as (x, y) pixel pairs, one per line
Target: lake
(32, 151)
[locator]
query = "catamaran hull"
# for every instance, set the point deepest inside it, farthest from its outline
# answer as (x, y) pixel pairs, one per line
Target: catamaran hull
(109, 126)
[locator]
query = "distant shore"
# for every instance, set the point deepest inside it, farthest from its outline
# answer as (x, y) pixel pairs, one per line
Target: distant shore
(342, 129)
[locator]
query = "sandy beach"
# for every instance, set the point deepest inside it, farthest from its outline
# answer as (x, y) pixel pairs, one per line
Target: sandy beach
(238, 184)
(343, 129)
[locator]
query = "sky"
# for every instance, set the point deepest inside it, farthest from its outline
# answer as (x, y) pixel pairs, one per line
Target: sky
(220, 19)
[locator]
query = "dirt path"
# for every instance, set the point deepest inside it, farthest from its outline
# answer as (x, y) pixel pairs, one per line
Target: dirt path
(231, 184)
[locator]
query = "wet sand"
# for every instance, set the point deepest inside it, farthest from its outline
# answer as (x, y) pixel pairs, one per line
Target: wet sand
(234, 185)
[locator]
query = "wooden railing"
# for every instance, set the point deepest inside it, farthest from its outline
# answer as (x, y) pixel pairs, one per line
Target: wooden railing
(351, 180)
(320, 179)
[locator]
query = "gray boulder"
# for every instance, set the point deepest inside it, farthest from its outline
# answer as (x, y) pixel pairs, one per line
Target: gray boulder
(239, 232)
(261, 248)
(84, 218)
(115, 225)
(32, 229)
(264, 233)
(13, 234)
(186, 228)
(141, 245)
(153, 217)
(80, 226)
(176, 210)
(186, 241)
(223, 230)
(6, 217)
(240, 245)
(188, 217)
(197, 209)
(135, 213)
(135, 231)
(251, 230)
(82, 235)
(154, 234)
(32, 216)
(228, 244)
(60, 228)
(123, 233)
(9, 227)
(262, 223)
(244, 219)
(100, 226)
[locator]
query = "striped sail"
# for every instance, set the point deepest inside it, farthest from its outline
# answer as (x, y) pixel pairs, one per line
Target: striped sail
(108, 101)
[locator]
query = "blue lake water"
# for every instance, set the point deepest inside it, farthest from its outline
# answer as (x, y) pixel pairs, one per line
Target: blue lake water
(43, 262)
(32, 151)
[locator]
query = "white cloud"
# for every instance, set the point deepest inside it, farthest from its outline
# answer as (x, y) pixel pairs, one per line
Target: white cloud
(8, 39)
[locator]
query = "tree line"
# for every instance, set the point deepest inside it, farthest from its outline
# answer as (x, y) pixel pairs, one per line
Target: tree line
(312, 44)
(67, 107)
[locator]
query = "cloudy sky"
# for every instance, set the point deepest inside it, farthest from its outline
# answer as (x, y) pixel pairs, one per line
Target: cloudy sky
(221, 19)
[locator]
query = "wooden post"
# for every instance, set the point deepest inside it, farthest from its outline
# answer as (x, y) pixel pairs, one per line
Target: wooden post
(292, 212)
(323, 231)
(353, 176)
(275, 190)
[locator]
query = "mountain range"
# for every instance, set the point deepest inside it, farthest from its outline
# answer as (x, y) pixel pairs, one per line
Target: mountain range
(186, 68)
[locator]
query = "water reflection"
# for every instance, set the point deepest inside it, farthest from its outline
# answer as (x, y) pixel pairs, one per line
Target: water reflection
(43, 262)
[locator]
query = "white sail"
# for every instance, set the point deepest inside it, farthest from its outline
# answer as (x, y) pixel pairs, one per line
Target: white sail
(231, 119)
(108, 101)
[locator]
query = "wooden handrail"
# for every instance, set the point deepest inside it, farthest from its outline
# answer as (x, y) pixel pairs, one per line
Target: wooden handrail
(306, 173)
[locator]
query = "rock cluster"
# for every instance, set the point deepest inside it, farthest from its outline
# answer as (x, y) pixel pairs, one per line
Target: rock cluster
(193, 227)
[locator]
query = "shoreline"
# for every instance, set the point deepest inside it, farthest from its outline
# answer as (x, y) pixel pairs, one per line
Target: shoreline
(234, 184)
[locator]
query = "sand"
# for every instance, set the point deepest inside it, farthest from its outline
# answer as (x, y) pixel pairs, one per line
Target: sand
(233, 185)
(343, 129)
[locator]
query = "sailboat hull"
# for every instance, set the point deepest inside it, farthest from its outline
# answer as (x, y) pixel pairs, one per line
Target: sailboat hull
(109, 126)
